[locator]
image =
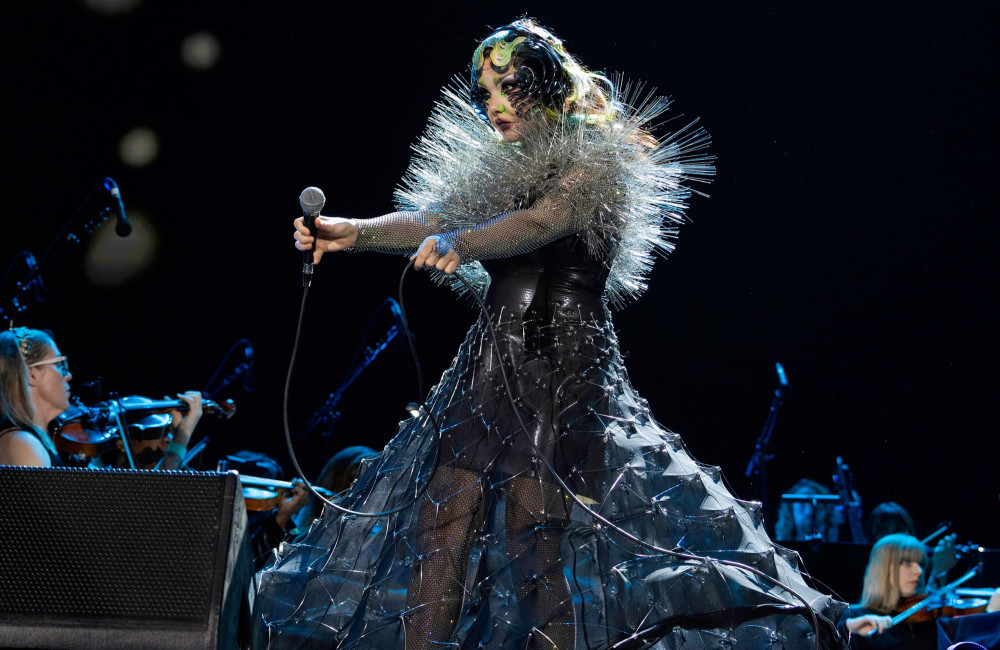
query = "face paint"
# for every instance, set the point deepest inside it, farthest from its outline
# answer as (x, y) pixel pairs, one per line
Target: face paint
(541, 79)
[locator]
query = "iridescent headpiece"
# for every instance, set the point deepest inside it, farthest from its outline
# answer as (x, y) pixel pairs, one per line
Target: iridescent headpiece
(545, 73)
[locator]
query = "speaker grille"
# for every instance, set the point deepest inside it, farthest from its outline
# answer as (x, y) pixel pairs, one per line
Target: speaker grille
(142, 545)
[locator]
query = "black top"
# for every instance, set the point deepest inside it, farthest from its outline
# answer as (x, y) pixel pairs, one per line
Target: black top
(557, 280)
(6, 426)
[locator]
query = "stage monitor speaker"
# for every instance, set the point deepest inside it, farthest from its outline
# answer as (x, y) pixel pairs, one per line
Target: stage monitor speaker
(122, 559)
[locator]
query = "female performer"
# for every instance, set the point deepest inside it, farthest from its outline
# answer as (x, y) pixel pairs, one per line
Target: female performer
(894, 576)
(535, 502)
(34, 389)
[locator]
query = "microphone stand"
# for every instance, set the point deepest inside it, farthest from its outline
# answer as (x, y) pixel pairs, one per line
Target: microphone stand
(194, 451)
(760, 457)
(240, 369)
(17, 303)
(325, 416)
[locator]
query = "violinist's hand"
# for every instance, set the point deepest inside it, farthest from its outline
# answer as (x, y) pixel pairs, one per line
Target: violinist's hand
(183, 426)
(334, 234)
(944, 556)
(293, 501)
(864, 625)
(436, 253)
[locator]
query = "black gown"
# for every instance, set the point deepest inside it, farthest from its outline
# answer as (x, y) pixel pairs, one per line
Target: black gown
(495, 553)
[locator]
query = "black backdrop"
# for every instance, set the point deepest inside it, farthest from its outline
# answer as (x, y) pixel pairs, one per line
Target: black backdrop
(850, 232)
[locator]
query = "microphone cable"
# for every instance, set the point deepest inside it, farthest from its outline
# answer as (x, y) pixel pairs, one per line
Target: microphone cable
(423, 406)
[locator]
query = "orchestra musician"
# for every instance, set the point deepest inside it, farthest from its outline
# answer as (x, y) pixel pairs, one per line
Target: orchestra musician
(889, 517)
(894, 581)
(802, 520)
(35, 390)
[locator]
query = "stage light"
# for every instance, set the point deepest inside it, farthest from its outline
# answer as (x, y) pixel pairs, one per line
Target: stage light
(200, 51)
(111, 260)
(139, 147)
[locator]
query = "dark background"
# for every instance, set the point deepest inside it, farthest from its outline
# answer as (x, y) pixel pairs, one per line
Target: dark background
(850, 232)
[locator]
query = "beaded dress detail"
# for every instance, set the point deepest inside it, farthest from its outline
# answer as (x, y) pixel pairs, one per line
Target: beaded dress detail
(494, 542)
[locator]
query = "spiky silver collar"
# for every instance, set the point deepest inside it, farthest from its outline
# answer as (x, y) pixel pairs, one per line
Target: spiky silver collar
(631, 202)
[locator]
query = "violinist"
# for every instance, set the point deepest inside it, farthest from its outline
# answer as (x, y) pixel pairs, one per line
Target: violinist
(34, 389)
(889, 517)
(894, 581)
(163, 441)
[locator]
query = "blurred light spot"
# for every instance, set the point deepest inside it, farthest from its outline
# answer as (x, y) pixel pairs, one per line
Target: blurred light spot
(111, 6)
(200, 51)
(139, 147)
(111, 260)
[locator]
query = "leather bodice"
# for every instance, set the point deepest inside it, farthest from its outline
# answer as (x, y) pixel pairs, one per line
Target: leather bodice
(558, 280)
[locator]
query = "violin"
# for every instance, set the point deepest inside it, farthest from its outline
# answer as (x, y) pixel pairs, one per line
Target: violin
(927, 607)
(89, 432)
(951, 605)
(261, 494)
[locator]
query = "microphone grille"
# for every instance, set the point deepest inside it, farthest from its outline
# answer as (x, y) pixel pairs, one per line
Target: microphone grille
(312, 200)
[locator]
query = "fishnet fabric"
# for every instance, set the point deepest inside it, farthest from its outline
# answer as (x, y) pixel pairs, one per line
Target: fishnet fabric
(443, 537)
(505, 235)
(492, 554)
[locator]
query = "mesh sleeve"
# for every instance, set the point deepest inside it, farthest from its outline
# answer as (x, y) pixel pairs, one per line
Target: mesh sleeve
(514, 233)
(511, 233)
(398, 232)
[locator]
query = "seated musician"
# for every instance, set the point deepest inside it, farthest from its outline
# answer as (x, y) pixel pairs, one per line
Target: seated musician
(889, 517)
(894, 580)
(803, 520)
(337, 476)
(34, 390)
(160, 441)
(268, 527)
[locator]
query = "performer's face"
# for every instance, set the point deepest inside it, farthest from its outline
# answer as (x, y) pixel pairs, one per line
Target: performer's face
(909, 577)
(49, 380)
(496, 88)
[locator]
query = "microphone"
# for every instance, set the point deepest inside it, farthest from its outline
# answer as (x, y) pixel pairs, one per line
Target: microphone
(397, 315)
(122, 226)
(312, 201)
(782, 379)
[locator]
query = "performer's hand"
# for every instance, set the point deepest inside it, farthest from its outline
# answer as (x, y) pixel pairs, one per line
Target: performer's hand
(293, 501)
(436, 253)
(183, 426)
(864, 625)
(334, 234)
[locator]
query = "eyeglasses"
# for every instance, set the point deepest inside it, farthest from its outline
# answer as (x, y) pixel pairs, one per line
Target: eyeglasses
(61, 364)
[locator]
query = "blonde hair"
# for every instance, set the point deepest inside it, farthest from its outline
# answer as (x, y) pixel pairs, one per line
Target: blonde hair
(881, 591)
(20, 347)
